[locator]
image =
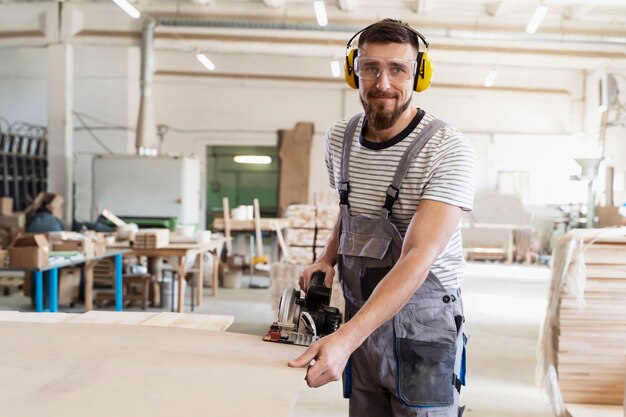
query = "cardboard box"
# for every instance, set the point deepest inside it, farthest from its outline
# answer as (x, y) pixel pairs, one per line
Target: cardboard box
(6, 206)
(86, 247)
(3, 257)
(30, 252)
(69, 285)
(17, 219)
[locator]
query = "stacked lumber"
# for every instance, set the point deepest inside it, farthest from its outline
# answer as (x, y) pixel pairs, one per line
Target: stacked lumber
(300, 237)
(592, 332)
(152, 238)
(310, 226)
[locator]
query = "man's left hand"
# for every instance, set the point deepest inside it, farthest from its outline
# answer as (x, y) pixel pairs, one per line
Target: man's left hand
(330, 354)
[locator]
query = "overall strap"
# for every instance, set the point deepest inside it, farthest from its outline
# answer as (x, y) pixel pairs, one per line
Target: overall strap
(403, 166)
(344, 184)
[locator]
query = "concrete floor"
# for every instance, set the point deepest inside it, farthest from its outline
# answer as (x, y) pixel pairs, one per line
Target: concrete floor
(504, 308)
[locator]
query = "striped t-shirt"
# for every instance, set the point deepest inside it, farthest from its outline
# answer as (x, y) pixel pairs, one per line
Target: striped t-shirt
(442, 171)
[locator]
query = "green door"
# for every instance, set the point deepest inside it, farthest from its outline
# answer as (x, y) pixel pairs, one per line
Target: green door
(241, 182)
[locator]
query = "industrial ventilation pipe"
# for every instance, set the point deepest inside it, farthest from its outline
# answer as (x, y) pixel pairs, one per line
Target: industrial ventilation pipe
(146, 142)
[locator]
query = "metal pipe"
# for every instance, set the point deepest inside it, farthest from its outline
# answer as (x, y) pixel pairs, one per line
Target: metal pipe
(441, 33)
(146, 138)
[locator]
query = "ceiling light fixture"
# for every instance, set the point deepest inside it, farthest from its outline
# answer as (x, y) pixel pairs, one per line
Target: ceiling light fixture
(537, 17)
(320, 13)
(491, 77)
(253, 159)
(335, 68)
(128, 8)
(205, 61)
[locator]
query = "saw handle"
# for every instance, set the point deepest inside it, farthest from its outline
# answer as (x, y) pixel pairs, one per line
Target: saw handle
(317, 295)
(317, 278)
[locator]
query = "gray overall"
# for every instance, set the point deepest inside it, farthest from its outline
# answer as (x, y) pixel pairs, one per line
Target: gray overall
(414, 364)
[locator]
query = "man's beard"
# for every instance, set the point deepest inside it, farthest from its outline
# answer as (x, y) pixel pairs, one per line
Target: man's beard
(381, 119)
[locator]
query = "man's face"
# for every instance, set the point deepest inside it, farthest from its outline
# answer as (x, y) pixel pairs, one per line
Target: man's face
(383, 98)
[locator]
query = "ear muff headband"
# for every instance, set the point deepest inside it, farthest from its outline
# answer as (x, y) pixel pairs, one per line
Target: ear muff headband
(424, 64)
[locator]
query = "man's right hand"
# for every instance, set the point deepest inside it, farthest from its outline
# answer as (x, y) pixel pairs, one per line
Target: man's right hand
(327, 269)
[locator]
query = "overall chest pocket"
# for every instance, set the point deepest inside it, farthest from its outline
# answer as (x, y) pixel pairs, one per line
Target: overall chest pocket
(369, 258)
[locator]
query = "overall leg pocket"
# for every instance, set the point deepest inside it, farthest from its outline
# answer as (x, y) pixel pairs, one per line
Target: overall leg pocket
(425, 345)
(425, 372)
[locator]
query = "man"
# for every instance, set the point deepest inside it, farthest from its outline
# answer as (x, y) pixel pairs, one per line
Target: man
(403, 178)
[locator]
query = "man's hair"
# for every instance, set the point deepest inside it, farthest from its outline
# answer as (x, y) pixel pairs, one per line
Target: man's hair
(389, 31)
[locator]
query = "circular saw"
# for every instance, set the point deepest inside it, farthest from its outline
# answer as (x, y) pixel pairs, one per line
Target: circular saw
(304, 317)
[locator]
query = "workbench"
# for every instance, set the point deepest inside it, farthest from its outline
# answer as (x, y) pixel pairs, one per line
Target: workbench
(99, 370)
(52, 271)
(177, 255)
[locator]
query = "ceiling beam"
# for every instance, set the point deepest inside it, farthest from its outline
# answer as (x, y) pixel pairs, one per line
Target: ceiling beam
(274, 4)
(348, 5)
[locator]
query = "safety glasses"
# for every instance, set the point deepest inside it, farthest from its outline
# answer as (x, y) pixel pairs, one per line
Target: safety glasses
(397, 69)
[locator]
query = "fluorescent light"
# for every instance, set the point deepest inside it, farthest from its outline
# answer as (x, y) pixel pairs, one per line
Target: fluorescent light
(535, 20)
(128, 8)
(205, 61)
(491, 78)
(253, 159)
(335, 68)
(320, 13)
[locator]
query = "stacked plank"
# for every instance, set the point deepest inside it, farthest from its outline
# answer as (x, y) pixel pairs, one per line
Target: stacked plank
(310, 227)
(300, 236)
(592, 334)
(152, 238)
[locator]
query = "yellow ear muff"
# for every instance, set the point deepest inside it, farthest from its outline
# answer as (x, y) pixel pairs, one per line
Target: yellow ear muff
(424, 72)
(348, 69)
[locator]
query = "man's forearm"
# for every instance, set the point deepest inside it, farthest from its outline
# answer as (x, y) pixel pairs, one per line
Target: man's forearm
(390, 295)
(428, 234)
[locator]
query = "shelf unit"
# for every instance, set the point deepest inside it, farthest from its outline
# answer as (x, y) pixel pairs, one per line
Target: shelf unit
(23, 168)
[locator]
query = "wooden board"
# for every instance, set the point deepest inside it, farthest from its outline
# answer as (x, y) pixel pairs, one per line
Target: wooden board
(592, 337)
(213, 322)
(77, 370)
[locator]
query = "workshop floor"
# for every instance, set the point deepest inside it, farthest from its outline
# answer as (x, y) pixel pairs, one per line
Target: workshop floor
(504, 307)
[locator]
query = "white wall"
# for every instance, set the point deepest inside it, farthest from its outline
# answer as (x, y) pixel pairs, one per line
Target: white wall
(512, 128)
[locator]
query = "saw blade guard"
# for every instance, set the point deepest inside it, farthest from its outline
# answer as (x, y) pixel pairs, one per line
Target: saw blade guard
(288, 309)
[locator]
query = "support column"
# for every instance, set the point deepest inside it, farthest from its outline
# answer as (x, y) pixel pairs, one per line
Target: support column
(60, 124)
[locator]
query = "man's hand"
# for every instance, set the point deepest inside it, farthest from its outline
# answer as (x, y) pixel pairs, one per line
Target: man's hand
(330, 354)
(327, 269)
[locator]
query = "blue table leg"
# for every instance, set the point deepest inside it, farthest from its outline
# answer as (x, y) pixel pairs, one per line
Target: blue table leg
(118, 282)
(53, 277)
(38, 291)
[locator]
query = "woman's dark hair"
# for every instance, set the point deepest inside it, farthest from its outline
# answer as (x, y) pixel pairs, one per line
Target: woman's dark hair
(389, 31)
